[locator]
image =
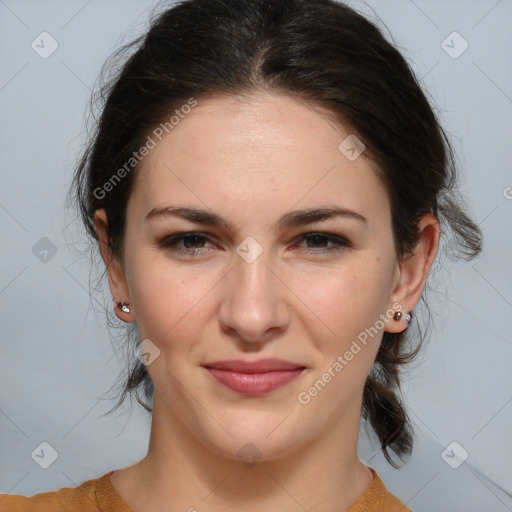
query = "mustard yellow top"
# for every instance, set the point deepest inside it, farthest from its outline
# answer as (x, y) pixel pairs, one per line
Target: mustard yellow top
(99, 495)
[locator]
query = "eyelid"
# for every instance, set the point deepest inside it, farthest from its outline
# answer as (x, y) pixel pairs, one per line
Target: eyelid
(341, 241)
(168, 241)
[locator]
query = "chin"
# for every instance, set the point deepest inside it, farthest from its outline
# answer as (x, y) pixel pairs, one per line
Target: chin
(254, 436)
(249, 451)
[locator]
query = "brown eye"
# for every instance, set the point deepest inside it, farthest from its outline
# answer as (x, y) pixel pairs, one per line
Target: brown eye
(318, 242)
(188, 243)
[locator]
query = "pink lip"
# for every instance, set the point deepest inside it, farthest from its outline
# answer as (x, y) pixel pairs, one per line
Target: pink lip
(254, 377)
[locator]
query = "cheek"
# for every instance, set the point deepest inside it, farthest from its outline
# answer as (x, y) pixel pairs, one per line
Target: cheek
(346, 330)
(167, 300)
(345, 301)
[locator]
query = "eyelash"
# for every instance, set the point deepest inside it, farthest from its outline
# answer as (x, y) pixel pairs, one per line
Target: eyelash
(171, 242)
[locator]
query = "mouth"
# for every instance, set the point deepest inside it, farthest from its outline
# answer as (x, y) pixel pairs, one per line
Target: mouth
(254, 378)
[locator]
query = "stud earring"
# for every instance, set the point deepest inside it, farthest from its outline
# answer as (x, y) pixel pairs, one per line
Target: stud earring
(399, 315)
(124, 306)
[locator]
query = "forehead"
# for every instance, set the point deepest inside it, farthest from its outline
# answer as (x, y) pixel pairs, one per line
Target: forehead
(257, 154)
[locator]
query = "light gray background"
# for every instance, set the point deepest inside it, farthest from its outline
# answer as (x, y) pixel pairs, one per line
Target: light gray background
(56, 357)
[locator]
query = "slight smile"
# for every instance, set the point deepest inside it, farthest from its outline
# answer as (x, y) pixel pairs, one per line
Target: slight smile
(254, 378)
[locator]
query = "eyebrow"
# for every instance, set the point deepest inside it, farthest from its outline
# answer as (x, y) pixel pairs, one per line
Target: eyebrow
(290, 219)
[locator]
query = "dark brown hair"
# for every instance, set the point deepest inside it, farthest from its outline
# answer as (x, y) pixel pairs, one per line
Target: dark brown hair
(323, 52)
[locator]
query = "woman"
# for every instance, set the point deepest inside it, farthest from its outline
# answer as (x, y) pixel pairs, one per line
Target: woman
(267, 186)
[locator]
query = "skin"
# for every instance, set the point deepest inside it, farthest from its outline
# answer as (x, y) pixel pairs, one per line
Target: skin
(252, 159)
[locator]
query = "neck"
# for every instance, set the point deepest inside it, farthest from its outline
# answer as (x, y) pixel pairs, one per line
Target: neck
(179, 473)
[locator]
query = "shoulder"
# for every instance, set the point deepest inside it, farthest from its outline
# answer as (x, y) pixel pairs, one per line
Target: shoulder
(96, 495)
(378, 499)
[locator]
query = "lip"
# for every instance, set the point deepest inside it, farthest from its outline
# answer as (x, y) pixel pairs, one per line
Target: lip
(254, 378)
(258, 366)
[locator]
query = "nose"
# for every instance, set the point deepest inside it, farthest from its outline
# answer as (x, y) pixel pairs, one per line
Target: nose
(254, 306)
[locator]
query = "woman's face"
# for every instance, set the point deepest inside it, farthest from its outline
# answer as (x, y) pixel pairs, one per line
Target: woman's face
(251, 285)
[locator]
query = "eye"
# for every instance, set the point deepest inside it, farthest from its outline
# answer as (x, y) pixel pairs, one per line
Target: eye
(193, 243)
(319, 242)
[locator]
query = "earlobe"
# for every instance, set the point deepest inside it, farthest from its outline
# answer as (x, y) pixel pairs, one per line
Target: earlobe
(123, 311)
(414, 268)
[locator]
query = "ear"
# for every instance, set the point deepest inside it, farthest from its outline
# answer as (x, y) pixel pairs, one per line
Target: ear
(413, 269)
(116, 275)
